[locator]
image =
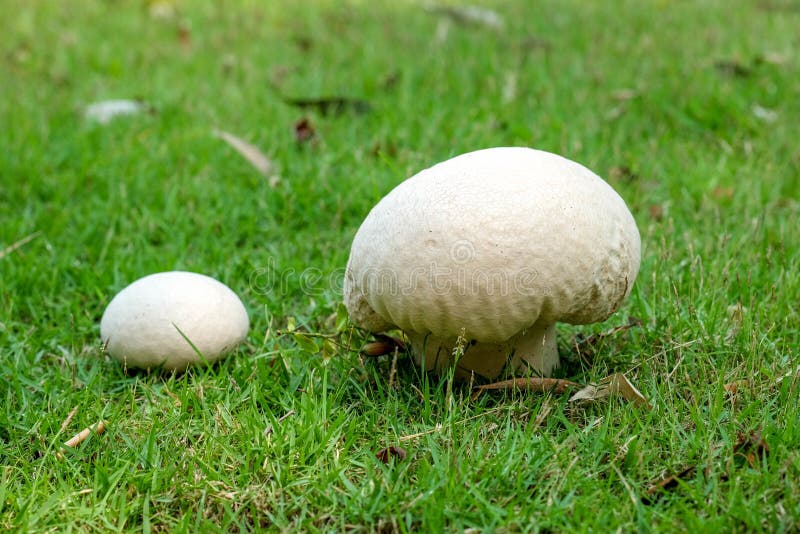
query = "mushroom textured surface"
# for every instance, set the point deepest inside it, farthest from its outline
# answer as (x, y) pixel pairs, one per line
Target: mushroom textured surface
(155, 321)
(494, 247)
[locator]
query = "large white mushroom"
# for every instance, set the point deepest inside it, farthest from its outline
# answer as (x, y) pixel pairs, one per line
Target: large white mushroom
(173, 319)
(495, 247)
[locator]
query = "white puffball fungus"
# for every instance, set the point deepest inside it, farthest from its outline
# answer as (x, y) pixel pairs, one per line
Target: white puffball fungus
(156, 320)
(478, 257)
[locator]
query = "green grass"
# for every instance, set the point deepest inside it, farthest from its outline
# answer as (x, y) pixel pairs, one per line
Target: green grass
(714, 189)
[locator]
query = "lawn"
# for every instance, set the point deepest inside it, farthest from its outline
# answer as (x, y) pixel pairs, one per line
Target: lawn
(688, 109)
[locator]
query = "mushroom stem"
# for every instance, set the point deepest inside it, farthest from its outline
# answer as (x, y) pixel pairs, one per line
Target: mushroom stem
(533, 350)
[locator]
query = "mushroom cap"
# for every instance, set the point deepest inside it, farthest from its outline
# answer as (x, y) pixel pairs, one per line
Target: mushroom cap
(140, 326)
(492, 242)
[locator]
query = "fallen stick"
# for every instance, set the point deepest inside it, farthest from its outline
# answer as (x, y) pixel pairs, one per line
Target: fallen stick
(81, 436)
(535, 384)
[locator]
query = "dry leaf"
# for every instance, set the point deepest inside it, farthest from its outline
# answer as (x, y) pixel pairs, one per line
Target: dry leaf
(509, 87)
(386, 454)
(733, 68)
(751, 447)
(471, 15)
(667, 483)
(765, 114)
(623, 173)
(161, 10)
(656, 211)
(249, 152)
(722, 192)
(303, 130)
(733, 387)
(773, 58)
(623, 95)
(103, 112)
(184, 33)
(614, 385)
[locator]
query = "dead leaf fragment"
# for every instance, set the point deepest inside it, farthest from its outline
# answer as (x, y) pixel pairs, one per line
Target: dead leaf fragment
(765, 114)
(656, 211)
(161, 10)
(251, 153)
(667, 483)
(722, 192)
(103, 112)
(471, 15)
(184, 34)
(614, 385)
(623, 173)
(732, 68)
(386, 454)
(733, 387)
(751, 447)
(773, 58)
(623, 95)
(303, 130)
(509, 87)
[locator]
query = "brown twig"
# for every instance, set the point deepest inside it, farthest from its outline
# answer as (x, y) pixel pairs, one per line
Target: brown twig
(81, 436)
(393, 370)
(534, 383)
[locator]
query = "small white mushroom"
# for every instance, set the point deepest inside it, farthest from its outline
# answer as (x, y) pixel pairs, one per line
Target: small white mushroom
(495, 246)
(173, 319)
